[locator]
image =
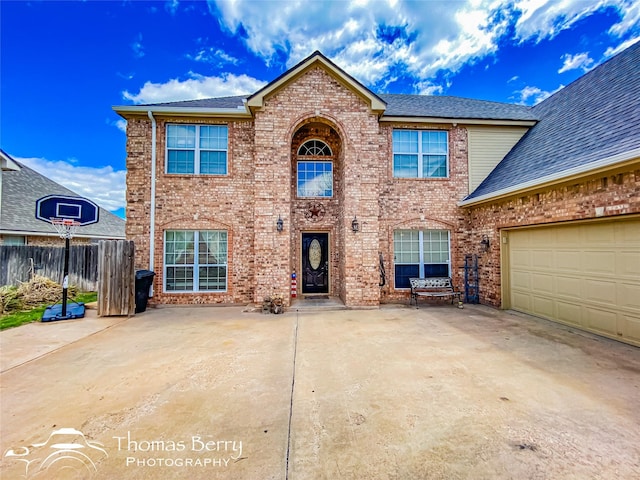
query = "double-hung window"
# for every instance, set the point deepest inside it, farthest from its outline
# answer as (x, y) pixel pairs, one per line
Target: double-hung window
(197, 149)
(420, 254)
(195, 260)
(315, 177)
(420, 153)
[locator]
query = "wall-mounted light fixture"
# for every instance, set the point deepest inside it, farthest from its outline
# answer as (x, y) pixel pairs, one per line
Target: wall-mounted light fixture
(279, 224)
(355, 226)
(484, 243)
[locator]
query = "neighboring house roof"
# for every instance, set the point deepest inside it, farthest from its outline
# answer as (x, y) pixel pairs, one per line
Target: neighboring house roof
(20, 191)
(6, 162)
(589, 125)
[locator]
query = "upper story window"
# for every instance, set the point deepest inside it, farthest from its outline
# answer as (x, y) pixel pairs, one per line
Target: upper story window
(315, 148)
(420, 153)
(315, 179)
(197, 149)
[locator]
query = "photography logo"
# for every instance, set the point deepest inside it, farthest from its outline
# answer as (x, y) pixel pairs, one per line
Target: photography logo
(66, 454)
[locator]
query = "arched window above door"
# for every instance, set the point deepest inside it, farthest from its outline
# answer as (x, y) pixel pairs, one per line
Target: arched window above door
(316, 148)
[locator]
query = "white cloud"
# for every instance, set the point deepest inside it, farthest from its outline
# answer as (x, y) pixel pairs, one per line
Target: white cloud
(105, 186)
(171, 6)
(571, 62)
(428, 88)
(195, 87)
(610, 52)
(374, 40)
(214, 56)
(630, 21)
(136, 46)
(534, 95)
(120, 124)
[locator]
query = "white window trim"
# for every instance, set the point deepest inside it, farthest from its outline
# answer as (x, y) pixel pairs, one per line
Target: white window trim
(421, 255)
(420, 154)
(314, 156)
(196, 150)
(195, 265)
(298, 178)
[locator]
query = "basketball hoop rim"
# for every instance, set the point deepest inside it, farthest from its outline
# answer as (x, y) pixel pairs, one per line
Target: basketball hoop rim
(66, 227)
(68, 222)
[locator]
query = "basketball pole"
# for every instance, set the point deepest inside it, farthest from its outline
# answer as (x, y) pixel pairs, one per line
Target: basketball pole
(65, 276)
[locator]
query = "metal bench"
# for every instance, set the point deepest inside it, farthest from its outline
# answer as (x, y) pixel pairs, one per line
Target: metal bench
(433, 287)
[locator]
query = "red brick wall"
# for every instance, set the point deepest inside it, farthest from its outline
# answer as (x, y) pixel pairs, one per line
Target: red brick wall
(426, 203)
(261, 185)
(604, 196)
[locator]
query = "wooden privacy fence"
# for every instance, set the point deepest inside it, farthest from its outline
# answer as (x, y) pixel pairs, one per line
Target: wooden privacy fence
(18, 262)
(116, 278)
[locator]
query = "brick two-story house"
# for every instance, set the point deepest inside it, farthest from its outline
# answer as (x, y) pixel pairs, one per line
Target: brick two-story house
(316, 174)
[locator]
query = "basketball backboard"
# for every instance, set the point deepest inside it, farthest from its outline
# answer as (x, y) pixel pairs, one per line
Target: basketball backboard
(62, 207)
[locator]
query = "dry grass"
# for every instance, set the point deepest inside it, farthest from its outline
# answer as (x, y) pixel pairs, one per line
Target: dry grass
(37, 291)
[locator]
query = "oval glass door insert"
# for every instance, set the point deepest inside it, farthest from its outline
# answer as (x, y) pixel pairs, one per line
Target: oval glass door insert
(315, 254)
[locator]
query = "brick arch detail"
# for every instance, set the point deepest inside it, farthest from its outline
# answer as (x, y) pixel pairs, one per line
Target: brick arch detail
(191, 223)
(418, 222)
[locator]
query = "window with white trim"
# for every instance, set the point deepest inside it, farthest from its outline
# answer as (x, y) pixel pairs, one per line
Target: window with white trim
(14, 240)
(420, 153)
(195, 260)
(315, 148)
(315, 179)
(420, 254)
(197, 149)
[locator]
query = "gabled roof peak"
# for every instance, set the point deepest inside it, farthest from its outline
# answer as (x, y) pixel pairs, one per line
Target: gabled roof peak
(317, 58)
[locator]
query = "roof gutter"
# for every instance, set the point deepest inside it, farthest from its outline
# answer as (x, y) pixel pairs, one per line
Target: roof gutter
(592, 168)
(241, 111)
(152, 208)
(458, 121)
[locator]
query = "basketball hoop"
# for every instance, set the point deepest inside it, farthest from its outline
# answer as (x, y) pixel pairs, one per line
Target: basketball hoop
(65, 227)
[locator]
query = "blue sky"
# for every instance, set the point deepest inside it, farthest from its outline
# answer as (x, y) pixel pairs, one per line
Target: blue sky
(63, 65)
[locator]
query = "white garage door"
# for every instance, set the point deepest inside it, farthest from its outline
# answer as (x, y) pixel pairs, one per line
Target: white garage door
(586, 275)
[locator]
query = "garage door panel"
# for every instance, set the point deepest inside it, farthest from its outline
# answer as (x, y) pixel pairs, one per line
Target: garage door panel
(600, 263)
(629, 296)
(565, 238)
(630, 327)
(627, 233)
(602, 321)
(542, 283)
(603, 234)
(543, 306)
(570, 313)
(583, 274)
(541, 259)
(520, 259)
(568, 261)
(521, 301)
(521, 280)
(569, 287)
(600, 291)
(628, 264)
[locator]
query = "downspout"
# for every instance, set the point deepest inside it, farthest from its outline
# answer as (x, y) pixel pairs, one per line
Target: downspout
(152, 209)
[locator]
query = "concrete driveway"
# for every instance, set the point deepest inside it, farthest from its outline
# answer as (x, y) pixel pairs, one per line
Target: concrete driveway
(395, 393)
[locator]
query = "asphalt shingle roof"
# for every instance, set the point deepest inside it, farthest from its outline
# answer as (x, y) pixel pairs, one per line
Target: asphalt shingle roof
(219, 102)
(595, 117)
(20, 191)
(453, 107)
(403, 106)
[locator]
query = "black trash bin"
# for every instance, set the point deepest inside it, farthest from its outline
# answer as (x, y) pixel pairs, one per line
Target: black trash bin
(144, 280)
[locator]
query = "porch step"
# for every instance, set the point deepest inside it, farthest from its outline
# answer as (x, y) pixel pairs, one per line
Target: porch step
(312, 304)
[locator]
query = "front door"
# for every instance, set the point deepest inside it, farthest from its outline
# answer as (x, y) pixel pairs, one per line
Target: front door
(315, 263)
